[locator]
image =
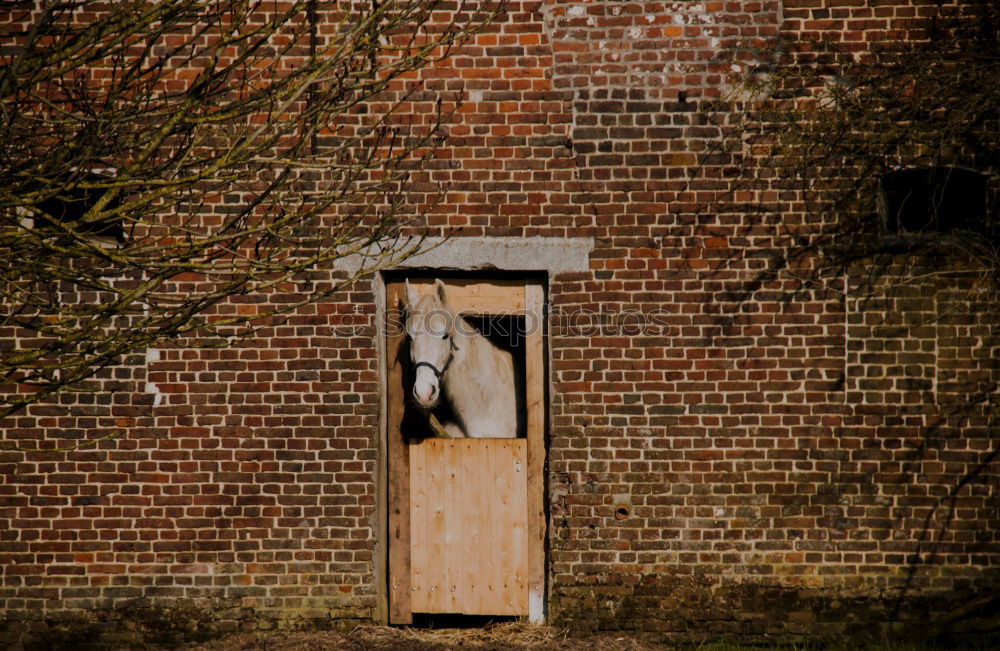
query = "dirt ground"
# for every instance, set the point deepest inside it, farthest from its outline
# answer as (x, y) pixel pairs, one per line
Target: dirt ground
(513, 635)
(499, 636)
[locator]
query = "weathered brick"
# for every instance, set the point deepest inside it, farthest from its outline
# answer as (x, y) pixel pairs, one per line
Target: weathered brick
(786, 454)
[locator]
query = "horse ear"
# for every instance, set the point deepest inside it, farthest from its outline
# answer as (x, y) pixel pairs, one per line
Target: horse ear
(411, 293)
(442, 291)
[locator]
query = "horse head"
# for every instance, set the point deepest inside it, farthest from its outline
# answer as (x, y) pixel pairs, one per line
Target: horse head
(430, 325)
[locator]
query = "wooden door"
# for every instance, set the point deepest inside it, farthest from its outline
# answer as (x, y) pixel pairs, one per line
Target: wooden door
(468, 528)
(466, 521)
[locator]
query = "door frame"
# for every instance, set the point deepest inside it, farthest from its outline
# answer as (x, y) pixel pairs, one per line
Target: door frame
(471, 293)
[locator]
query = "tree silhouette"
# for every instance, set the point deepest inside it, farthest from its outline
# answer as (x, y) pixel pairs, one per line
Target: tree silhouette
(161, 160)
(892, 153)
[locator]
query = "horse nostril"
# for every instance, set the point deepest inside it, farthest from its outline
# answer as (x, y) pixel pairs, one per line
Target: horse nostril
(427, 396)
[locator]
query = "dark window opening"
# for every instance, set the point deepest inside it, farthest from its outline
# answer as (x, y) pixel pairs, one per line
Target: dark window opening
(69, 207)
(934, 200)
(504, 331)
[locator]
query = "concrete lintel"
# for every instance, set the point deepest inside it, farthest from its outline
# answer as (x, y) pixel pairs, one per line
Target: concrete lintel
(552, 254)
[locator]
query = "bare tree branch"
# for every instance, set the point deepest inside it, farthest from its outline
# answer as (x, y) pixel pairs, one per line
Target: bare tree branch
(159, 158)
(833, 126)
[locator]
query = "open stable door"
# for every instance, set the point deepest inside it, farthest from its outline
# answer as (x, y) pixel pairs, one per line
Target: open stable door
(466, 519)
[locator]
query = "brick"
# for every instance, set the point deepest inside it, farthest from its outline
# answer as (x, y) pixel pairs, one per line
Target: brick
(783, 450)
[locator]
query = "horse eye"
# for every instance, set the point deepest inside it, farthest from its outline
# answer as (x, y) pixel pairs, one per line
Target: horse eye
(445, 336)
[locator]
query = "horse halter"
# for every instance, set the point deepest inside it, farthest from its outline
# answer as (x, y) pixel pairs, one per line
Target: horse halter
(440, 373)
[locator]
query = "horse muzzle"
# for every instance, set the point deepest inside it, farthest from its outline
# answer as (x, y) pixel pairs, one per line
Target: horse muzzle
(427, 391)
(427, 399)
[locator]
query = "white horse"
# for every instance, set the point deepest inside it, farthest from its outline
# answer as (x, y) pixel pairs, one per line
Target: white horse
(451, 357)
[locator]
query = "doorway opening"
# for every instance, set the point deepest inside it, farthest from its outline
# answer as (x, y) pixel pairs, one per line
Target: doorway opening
(465, 515)
(504, 331)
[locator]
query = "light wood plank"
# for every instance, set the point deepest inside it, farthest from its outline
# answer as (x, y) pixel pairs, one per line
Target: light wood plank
(507, 496)
(418, 528)
(519, 526)
(471, 517)
(398, 474)
(492, 560)
(451, 527)
(437, 507)
(479, 296)
(534, 356)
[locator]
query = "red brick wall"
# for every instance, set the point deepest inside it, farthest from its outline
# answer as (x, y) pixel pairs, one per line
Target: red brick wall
(795, 463)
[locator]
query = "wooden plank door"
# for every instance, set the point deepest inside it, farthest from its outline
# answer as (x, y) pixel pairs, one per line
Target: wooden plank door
(466, 517)
(468, 530)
